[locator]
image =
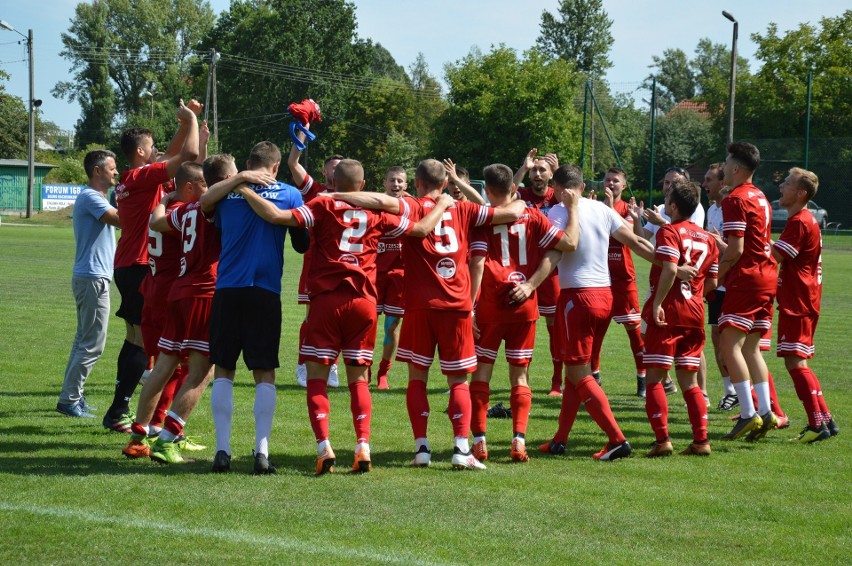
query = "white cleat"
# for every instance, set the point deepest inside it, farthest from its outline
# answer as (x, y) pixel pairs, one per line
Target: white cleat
(333, 380)
(302, 375)
(422, 458)
(462, 461)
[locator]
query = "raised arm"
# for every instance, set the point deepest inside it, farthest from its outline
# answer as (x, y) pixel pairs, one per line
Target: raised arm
(189, 130)
(221, 189)
(372, 201)
(266, 209)
(203, 138)
(525, 166)
(296, 170)
(159, 222)
(426, 224)
(468, 191)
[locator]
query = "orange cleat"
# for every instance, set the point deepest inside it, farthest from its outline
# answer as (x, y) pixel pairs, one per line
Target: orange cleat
(555, 393)
(362, 462)
(519, 451)
(137, 449)
(325, 461)
(696, 450)
(783, 421)
(480, 451)
(660, 450)
(383, 383)
(552, 447)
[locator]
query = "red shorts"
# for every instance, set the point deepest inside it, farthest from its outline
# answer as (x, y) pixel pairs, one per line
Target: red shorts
(582, 319)
(450, 331)
(680, 345)
(747, 310)
(625, 303)
(519, 337)
(304, 294)
(547, 295)
(154, 315)
(796, 335)
(765, 344)
(342, 321)
(390, 300)
(187, 326)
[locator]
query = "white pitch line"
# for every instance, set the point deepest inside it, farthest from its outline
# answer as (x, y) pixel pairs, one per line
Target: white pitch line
(278, 542)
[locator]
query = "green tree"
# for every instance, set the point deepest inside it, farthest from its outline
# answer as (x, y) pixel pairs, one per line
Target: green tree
(13, 116)
(502, 105)
(121, 48)
(579, 34)
(674, 78)
(382, 63)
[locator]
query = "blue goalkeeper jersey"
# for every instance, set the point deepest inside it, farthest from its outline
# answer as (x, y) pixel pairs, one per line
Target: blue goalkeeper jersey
(253, 249)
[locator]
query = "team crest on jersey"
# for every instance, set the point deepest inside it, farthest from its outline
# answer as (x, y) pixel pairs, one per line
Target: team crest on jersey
(686, 290)
(348, 258)
(380, 248)
(517, 278)
(445, 268)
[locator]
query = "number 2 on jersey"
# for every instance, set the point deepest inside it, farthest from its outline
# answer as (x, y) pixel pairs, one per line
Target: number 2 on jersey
(356, 232)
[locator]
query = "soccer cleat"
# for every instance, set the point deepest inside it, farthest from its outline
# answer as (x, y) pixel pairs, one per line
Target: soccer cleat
(262, 465)
(610, 453)
(555, 393)
(770, 421)
(221, 462)
(660, 450)
(519, 451)
(74, 410)
(480, 450)
(552, 447)
(121, 423)
(362, 463)
(783, 422)
(325, 461)
(383, 383)
(810, 435)
(498, 411)
(728, 402)
(166, 452)
(832, 427)
(422, 458)
(465, 461)
(597, 376)
(670, 386)
(744, 426)
(640, 386)
(188, 444)
(302, 375)
(697, 450)
(333, 379)
(137, 449)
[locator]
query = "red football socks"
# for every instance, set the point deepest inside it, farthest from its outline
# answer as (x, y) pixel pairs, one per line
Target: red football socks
(169, 391)
(459, 409)
(806, 391)
(568, 412)
(774, 405)
(597, 405)
(637, 346)
(520, 400)
(361, 404)
(318, 408)
(418, 407)
(480, 397)
(696, 407)
(657, 409)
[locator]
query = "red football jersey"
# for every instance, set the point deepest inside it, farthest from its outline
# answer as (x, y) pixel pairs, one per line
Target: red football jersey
(512, 254)
(345, 242)
(310, 189)
(683, 243)
(619, 258)
(136, 195)
(436, 270)
(389, 260)
(541, 202)
(747, 214)
(163, 258)
(800, 279)
(200, 249)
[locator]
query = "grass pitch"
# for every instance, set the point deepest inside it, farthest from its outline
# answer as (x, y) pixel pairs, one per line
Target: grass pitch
(69, 496)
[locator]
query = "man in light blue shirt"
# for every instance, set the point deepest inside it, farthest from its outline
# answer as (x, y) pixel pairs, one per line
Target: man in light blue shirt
(94, 222)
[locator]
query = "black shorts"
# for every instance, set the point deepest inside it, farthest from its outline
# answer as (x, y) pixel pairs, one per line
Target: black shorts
(714, 307)
(247, 320)
(128, 279)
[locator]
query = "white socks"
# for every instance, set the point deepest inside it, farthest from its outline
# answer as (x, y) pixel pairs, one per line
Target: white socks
(222, 404)
(729, 387)
(463, 444)
(743, 390)
(264, 412)
(764, 402)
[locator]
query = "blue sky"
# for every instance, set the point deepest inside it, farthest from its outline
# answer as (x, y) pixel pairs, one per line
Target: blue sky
(445, 31)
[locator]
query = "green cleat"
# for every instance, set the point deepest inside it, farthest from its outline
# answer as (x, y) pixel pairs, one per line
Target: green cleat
(188, 444)
(744, 426)
(164, 452)
(810, 435)
(770, 421)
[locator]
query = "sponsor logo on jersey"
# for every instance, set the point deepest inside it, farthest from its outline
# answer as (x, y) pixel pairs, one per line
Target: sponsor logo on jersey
(517, 277)
(445, 268)
(348, 258)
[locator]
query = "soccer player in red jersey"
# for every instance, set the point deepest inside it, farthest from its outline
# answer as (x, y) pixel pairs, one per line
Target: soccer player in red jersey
(748, 271)
(675, 317)
(799, 251)
(540, 195)
(310, 188)
(136, 195)
(343, 296)
(438, 305)
(504, 257)
(186, 331)
(458, 183)
(584, 309)
(390, 273)
(625, 294)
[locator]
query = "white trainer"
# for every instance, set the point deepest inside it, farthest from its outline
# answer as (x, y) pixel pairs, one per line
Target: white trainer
(333, 380)
(466, 461)
(422, 458)
(302, 375)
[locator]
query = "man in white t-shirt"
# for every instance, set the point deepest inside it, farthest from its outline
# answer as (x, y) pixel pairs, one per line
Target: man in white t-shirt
(584, 308)
(656, 217)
